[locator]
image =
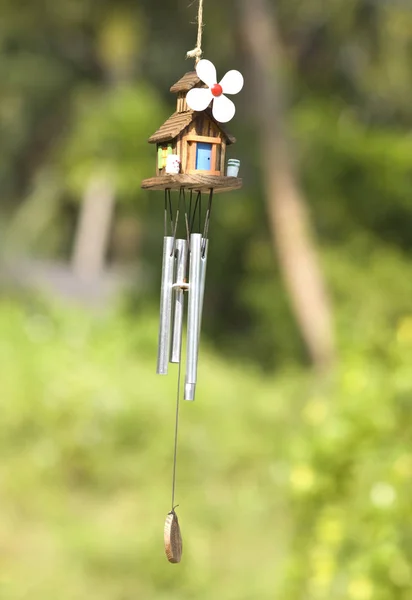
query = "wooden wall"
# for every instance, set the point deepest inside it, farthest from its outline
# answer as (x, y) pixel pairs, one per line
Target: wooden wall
(181, 102)
(202, 127)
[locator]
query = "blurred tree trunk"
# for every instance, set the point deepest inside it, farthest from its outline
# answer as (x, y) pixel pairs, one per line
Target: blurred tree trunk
(92, 234)
(116, 49)
(288, 215)
(33, 215)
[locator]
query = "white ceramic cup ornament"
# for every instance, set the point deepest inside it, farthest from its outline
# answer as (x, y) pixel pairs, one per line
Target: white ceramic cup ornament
(233, 166)
(173, 164)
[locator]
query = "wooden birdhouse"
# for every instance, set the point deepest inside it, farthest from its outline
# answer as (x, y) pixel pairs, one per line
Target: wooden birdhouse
(191, 147)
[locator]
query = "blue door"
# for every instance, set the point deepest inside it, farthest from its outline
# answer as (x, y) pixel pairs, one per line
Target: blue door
(204, 157)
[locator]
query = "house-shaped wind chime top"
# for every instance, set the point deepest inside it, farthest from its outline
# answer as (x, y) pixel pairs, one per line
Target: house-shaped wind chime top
(191, 148)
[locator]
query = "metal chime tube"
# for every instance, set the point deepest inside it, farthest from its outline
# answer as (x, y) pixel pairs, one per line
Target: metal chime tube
(165, 306)
(193, 315)
(181, 260)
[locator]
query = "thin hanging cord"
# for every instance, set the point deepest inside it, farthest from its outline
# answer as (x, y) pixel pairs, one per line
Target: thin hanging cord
(165, 223)
(176, 436)
(190, 206)
(187, 217)
(198, 197)
(170, 210)
(207, 222)
(176, 222)
(196, 53)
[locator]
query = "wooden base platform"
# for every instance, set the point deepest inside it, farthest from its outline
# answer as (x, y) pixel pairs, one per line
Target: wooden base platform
(197, 183)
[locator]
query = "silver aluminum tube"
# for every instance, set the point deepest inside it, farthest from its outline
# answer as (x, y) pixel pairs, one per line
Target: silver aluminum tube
(179, 301)
(193, 315)
(165, 306)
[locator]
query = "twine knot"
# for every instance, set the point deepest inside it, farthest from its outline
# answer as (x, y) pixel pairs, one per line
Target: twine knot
(197, 52)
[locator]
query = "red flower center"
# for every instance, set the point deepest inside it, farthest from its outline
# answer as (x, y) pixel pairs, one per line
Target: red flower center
(216, 90)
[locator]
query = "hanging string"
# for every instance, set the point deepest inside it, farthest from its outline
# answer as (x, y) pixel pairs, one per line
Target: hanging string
(176, 437)
(196, 208)
(168, 200)
(187, 217)
(207, 221)
(174, 229)
(196, 53)
(165, 219)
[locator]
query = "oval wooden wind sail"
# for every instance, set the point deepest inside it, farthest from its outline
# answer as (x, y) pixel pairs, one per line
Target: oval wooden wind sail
(173, 538)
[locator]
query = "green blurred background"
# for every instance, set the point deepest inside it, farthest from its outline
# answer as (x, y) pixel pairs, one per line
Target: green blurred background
(294, 482)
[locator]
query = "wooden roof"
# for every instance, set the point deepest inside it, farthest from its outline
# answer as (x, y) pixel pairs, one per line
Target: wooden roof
(186, 83)
(172, 127)
(179, 121)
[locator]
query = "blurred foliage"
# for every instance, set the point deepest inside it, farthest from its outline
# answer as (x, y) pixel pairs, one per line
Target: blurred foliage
(101, 139)
(289, 487)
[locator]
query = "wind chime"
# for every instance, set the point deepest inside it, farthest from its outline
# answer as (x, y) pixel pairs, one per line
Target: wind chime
(191, 160)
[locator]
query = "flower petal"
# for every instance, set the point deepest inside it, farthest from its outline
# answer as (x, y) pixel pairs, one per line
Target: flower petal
(223, 109)
(232, 82)
(199, 98)
(206, 71)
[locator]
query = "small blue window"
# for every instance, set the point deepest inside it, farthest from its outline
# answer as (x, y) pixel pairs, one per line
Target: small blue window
(204, 157)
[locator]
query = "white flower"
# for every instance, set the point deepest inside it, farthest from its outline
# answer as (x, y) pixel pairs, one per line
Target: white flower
(198, 99)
